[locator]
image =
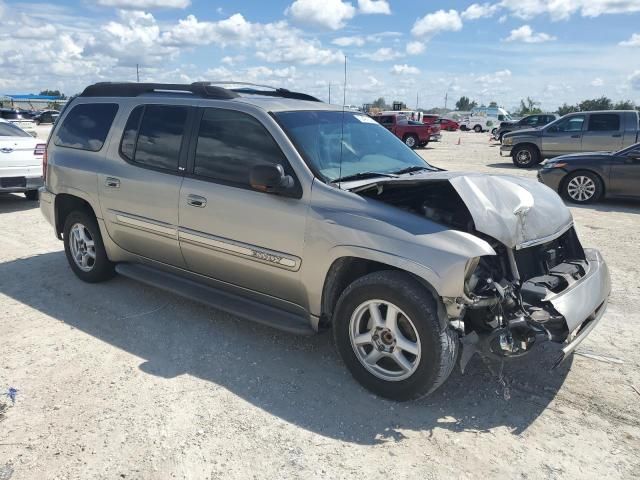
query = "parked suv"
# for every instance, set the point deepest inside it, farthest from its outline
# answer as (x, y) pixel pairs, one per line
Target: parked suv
(296, 214)
(530, 121)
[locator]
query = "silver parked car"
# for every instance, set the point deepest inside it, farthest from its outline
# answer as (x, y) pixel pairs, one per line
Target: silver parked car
(294, 213)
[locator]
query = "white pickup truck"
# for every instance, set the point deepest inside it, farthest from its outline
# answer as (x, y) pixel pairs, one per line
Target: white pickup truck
(20, 161)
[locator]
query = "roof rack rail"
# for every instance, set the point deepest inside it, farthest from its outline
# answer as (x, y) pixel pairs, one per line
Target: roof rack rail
(130, 89)
(245, 87)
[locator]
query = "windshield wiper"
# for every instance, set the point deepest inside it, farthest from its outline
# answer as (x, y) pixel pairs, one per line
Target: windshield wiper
(414, 168)
(363, 175)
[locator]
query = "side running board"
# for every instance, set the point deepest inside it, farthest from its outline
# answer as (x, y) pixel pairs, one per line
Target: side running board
(235, 304)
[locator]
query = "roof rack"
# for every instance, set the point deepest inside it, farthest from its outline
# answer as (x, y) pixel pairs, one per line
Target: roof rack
(130, 89)
(201, 89)
(246, 88)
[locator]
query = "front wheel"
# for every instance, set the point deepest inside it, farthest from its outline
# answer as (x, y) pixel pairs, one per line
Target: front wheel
(84, 248)
(582, 187)
(387, 332)
(477, 129)
(525, 157)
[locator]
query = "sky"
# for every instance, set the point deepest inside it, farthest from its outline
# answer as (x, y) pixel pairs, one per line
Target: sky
(416, 51)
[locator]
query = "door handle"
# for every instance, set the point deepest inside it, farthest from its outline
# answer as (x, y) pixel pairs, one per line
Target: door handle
(196, 201)
(576, 136)
(112, 182)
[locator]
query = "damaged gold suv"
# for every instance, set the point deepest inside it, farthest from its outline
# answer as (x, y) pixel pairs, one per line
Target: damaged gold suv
(296, 214)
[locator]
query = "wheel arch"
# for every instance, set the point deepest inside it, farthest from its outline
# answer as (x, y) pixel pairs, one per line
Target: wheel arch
(65, 203)
(526, 144)
(347, 269)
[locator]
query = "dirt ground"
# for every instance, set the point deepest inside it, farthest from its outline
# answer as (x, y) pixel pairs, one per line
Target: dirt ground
(120, 380)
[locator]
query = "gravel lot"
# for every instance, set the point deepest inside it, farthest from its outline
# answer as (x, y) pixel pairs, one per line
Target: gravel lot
(120, 380)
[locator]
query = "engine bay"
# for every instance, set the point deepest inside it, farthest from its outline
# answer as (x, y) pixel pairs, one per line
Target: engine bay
(505, 309)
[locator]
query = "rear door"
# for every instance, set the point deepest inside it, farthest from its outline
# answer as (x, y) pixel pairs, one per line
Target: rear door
(603, 133)
(564, 136)
(140, 184)
(624, 177)
(228, 231)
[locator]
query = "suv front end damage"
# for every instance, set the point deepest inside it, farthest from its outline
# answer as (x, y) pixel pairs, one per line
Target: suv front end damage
(540, 286)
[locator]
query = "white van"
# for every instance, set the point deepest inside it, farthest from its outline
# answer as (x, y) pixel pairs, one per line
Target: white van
(483, 119)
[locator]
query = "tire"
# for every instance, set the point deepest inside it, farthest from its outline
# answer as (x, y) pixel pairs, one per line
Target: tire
(525, 156)
(98, 268)
(477, 129)
(502, 135)
(582, 187)
(463, 128)
(493, 131)
(32, 195)
(434, 349)
(410, 141)
(37, 122)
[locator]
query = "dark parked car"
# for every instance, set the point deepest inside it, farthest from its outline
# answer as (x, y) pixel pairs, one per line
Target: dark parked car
(530, 121)
(46, 116)
(587, 177)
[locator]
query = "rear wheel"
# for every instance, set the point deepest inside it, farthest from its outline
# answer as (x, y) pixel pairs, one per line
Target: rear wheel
(84, 248)
(387, 332)
(525, 157)
(32, 195)
(411, 141)
(582, 187)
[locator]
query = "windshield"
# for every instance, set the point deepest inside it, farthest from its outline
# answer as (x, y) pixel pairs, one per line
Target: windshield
(10, 130)
(366, 145)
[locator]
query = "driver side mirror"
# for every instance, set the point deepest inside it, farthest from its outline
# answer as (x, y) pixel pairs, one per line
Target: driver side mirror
(270, 178)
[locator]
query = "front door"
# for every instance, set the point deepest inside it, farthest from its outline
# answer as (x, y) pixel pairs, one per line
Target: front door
(245, 238)
(139, 191)
(564, 136)
(603, 133)
(624, 177)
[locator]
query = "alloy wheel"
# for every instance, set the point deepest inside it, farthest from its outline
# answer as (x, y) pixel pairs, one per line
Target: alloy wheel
(581, 188)
(82, 247)
(385, 340)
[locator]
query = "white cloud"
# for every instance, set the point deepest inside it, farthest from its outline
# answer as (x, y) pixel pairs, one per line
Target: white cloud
(433, 23)
(348, 41)
(404, 70)
(634, 80)
(381, 55)
(634, 41)
(526, 34)
(374, 7)
(329, 14)
(477, 10)
(415, 48)
(144, 4)
(564, 9)
(597, 82)
(190, 31)
(495, 78)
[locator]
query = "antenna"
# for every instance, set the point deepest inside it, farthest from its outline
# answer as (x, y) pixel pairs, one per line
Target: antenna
(344, 101)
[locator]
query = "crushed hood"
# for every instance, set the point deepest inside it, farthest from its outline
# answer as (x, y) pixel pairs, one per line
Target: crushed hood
(515, 211)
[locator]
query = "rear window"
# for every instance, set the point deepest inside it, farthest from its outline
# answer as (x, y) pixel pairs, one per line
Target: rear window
(9, 130)
(604, 122)
(86, 126)
(8, 115)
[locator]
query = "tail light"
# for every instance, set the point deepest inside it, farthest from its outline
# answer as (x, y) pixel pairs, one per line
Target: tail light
(40, 149)
(44, 160)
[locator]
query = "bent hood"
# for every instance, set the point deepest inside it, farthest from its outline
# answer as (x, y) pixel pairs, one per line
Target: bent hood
(516, 211)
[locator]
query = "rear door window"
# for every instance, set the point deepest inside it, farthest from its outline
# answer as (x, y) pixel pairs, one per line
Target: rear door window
(86, 126)
(604, 122)
(153, 136)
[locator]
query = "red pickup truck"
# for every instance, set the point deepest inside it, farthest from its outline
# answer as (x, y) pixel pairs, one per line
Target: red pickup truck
(413, 134)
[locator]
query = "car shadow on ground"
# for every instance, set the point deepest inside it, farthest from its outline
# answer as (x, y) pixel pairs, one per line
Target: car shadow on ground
(508, 165)
(298, 379)
(15, 203)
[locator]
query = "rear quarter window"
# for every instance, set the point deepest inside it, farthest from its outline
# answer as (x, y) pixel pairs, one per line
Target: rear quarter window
(86, 126)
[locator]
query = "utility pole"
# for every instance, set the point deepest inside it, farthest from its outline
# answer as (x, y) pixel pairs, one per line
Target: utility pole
(137, 73)
(446, 96)
(329, 92)
(417, 100)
